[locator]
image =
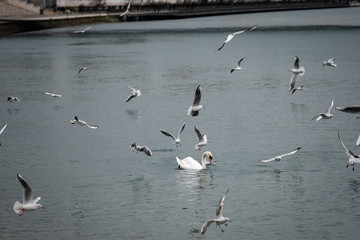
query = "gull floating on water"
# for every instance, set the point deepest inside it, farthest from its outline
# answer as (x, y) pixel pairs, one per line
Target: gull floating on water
(353, 158)
(219, 217)
(82, 31)
(232, 35)
(189, 163)
(53, 94)
(144, 149)
(29, 203)
(76, 120)
(202, 139)
(297, 71)
(176, 139)
(329, 63)
(127, 10)
(2, 129)
(326, 115)
(13, 99)
(238, 67)
(83, 68)
(278, 158)
(196, 107)
(134, 93)
(297, 88)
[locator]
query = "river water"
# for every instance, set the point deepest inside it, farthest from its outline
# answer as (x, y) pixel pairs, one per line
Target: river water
(95, 187)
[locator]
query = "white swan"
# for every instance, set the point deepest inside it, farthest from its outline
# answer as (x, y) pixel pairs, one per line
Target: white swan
(189, 163)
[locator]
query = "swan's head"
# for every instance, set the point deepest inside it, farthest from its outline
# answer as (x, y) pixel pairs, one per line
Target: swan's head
(209, 154)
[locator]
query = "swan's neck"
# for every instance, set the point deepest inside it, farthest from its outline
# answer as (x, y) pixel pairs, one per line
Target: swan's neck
(203, 165)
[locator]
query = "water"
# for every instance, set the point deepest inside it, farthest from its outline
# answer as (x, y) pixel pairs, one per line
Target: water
(94, 187)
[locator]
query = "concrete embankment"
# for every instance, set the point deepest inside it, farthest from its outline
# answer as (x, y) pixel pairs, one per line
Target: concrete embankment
(23, 24)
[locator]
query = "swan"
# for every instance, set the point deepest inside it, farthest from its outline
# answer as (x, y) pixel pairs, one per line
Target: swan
(189, 163)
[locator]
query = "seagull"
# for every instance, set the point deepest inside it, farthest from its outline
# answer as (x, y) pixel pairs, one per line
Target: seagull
(29, 203)
(144, 149)
(202, 139)
(297, 88)
(127, 10)
(2, 129)
(329, 63)
(278, 158)
(297, 71)
(12, 99)
(219, 218)
(350, 109)
(232, 35)
(134, 93)
(83, 68)
(82, 123)
(53, 95)
(238, 68)
(177, 140)
(326, 115)
(82, 31)
(353, 158)
(196, 107)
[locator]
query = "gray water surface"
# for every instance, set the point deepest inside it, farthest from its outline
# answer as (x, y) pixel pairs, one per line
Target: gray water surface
(94, 187)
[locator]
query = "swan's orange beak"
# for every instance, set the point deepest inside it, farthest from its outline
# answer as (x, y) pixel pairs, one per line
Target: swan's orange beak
(210, 159)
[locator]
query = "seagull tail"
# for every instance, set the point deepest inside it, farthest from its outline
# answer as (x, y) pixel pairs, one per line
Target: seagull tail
(302, 69)
(17, 207)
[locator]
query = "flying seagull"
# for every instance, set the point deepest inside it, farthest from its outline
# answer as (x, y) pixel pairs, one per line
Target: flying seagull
(127, 10)
(53, 95)
(232, 35)
(237, 68)
(13, 99)
(83, 68)
(358, 141)
(134, 93)
(353, 158)
(329, 63)
(219, 218)
(2, 129)
(278, 158)
(144, 149)
(76, 120)
(196, 107)
(297, 71)
(326, 115)
(82, 31)
(176, 139)
(29, 203)
(202, 139)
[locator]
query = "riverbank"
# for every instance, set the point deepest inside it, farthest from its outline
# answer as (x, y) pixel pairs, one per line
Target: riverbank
(17, 24)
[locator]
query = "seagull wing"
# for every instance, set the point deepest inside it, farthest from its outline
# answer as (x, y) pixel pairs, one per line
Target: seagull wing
(206, 225)
(131, 96)
(3, 128)
(351, 109)
(28, 192)
(329, 108)
(358, 141)
(290, 153)
(251, 28)
(268, 160)
(167, 134)
(219, 209)
(198, 134)
(293, 81)
(146, 150)
(296, 63)
(223, 44)
(342, 143)
(181, 129)
(197, 96)
(92, 126)
(239, 62)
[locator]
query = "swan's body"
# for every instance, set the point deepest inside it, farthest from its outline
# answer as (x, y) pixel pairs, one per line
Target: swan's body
(297, 71)
(196, 107)
(326, 115)
(189, 163)
(353, 158)
(329, 63)
(29, 203)
(238, 67)
(134, 93)
(232, 35)
(219, 219)
(176, 139)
